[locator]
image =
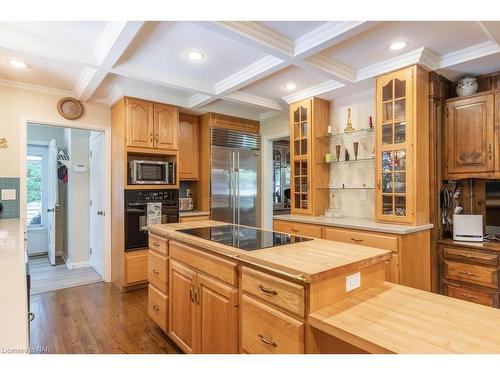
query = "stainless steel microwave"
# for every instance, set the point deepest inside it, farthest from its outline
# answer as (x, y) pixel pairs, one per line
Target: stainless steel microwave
(145, 172)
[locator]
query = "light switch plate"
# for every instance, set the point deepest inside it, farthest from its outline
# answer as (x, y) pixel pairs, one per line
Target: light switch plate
(353, 281)
(8, 194)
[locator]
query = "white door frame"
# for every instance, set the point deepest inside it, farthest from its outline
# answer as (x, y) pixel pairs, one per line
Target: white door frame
(24, 121)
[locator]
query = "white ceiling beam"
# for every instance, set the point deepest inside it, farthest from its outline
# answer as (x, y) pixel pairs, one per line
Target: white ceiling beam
(491, 29)
(328, 67)
(114, 40)
(467, 54)
(315, 90)
(200, 100)
(253, 100)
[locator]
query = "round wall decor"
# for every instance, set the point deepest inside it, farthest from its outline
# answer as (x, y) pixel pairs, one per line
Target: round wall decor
(70, 108)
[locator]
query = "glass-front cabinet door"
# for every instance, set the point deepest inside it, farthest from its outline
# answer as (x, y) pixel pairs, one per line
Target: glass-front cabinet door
(300, 115)
(393, 154)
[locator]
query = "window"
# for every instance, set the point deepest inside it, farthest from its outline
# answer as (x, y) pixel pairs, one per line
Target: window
(36, 167)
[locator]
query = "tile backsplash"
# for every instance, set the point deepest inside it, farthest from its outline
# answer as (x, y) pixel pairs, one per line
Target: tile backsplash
(10, 207)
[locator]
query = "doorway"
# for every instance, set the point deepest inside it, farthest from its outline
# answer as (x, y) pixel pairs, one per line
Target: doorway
(65, 198)
(281, 176)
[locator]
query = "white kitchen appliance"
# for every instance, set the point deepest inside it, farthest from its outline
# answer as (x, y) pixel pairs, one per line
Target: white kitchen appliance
(468, 228)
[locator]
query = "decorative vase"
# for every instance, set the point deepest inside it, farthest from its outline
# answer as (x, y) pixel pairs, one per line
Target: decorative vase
(467, 86)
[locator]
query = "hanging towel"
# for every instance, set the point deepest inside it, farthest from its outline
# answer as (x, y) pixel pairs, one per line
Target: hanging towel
(154, 213)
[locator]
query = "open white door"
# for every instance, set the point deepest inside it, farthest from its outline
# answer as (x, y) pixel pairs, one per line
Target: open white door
(52, 202)
(97, 213)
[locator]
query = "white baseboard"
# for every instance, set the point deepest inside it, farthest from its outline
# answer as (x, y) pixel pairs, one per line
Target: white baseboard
(70, 264)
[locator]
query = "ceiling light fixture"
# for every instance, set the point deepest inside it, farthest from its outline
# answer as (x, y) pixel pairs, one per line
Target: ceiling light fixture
(195, 55)
(398, 45)
(17, 64)
(291, 86)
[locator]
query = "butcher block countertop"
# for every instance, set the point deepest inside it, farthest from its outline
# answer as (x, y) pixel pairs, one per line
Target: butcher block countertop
(305, 261)
(392, 318)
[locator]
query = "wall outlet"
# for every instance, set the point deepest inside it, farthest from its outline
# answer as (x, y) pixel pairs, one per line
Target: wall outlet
(353, 281)
(8, 194)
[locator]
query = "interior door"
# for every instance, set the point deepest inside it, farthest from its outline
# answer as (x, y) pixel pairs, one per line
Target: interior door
(247, 185)
(97, 212)
(222, 184)
(52, 202)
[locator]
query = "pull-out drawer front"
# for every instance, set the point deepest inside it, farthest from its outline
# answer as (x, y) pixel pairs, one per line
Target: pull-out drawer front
(158, 271)
(212, 265)
(136, 267)
(158, 244)
(282, 293)
(158, 307)
(479, 275)
(267, 331)
(378, 240)
(471, 256)
(308, 230)
(471, 294)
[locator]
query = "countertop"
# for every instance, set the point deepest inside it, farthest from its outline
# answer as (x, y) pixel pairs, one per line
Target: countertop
(490, 246)
(355, 223)
(305, 261)
(393, 318)
(13, 288)
(193, 213)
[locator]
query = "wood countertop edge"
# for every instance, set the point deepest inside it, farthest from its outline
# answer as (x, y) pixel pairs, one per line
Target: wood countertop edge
(481, 246)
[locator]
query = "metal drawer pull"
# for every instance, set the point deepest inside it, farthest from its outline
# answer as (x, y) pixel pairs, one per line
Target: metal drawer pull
(468, 296)
(156, 308)
(356, 239)
(31, 316)
(266, 341)
(467, 273)
(191, 293)
(156, 244)
(268, 290)
(295, 230)
(156, 272)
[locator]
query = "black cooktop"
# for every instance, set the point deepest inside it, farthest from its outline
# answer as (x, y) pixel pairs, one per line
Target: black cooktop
(243, 238)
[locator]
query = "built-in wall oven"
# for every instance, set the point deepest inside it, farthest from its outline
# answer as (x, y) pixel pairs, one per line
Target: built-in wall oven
(136, 211)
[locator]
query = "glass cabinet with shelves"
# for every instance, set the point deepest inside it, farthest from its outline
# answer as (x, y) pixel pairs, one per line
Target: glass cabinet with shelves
(402, 133)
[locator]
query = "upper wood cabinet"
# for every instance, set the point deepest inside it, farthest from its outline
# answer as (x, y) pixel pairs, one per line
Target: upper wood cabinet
(310, 176)
(188, 147)
(471, 137)
(402, 147)
(151, 125)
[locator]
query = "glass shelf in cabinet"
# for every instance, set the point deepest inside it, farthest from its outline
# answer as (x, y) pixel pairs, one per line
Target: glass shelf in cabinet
(359, 132)
(359, 160)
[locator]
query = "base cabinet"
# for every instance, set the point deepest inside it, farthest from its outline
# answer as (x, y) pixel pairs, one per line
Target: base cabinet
(158, 307)
(136, 267)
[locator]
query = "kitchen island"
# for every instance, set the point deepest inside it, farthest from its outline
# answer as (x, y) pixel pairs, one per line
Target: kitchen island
(308, 296)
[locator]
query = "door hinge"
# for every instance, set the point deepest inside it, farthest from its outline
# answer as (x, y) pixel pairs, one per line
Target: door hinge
(90, 251)
(90, 153)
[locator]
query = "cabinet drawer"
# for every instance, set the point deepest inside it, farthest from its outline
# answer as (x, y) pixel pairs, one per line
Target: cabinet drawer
(378, 240)
(158, 307)
(268, 331)
(158, 271)
(158, 244)
(479, 275)
(212, 265)
(472, 295)
(308, 230)
(471, 256)
(279, 292)
(136, 267)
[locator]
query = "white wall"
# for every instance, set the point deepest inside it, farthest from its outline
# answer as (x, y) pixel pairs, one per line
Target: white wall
(41, 133)
(354, 203)
(270, 129)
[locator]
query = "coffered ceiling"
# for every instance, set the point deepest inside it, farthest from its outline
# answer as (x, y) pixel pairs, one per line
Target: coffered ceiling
(251, 69)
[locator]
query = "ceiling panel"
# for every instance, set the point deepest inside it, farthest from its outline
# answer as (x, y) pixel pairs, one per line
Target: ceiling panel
(234, 109)
(273, 86)
(372, 46)
(484, 65)
(162, 47)
(41, 71)
(292, 29)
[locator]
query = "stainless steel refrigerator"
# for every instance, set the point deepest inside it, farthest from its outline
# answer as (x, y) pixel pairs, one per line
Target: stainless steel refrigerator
(235, 177)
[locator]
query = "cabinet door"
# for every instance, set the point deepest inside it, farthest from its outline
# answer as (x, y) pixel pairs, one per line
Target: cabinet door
(218, 316)
(182, 309)
(139, 123)
(470, 130)
(166, 123)
(188, 147)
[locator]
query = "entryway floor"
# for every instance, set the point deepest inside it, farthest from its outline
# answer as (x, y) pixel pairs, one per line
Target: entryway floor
(47, 278)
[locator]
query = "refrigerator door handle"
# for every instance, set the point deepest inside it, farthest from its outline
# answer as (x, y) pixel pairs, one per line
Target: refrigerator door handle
(238, 187)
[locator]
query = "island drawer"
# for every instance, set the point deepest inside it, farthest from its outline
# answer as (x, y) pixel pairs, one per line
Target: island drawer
(267, 331)
(471, 256)
(212, 265)
(308, 230)
(158, 271)
(287, 295)
(378, 240)
(158, 307)
(480, 296)
(158, 244)
(479, 275)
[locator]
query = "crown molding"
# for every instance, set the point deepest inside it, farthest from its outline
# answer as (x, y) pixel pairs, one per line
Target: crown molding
(199, 100)
(268, 115)
(321, 63)
(36, 88)
(253, 100)
(145, 94)
(491, 29)
(313, 91)
(469, 53)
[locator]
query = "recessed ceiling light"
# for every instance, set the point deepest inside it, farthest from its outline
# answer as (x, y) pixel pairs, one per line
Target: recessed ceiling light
(398, 45)
(291, 86)
(195, 55)
(17, 63)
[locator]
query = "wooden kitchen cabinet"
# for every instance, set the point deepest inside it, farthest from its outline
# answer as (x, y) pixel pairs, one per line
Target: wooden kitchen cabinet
(471, 146)
(140, 124)
(136, 267)
(166, 127)
(189, 158)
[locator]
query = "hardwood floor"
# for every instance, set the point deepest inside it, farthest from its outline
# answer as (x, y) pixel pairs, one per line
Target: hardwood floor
(95, 318)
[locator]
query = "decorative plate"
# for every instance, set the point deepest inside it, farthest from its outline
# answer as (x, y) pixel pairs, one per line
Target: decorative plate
(70, 108)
